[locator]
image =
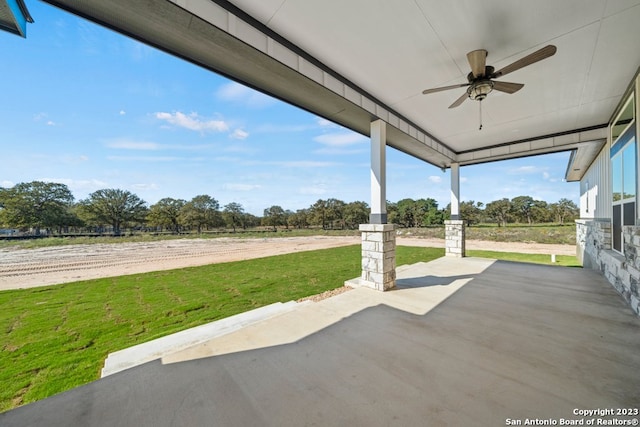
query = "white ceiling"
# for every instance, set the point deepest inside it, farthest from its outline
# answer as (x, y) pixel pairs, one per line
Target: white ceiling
(395, 49)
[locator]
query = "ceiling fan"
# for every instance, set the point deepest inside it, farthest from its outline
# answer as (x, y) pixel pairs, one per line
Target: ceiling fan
(481, 77)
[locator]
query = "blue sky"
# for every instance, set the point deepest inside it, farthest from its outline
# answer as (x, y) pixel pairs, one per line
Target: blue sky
(92, 109)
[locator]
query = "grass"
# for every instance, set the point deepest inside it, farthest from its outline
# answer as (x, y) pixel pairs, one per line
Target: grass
(536, 233)
(561, 260)
(57, 337)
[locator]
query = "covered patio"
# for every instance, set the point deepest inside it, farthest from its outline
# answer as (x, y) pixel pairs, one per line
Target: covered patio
(459, 341)
(420, 76)
(462, 341)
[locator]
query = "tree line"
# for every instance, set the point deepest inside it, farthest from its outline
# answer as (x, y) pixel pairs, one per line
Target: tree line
(36, 206)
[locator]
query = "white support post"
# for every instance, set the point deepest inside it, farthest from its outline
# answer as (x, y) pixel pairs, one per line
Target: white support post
(378, 173)
(378, 237)
(455, 191)
(454, 230)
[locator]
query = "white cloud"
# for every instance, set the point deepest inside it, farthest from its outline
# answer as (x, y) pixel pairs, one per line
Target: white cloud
(144, 187)
(304, 164)
(72, 159)
(6, 184)
(43, 117)
(526, 170)
(463, 179)
(271, 128)
(241, 187)
(79, 185)
(235, 92)
(239, 134)
(340, 139)
(322, 122)
(192, 122)
(122, 112)
(435, 179)
(140, 51)
(545, 175)
(127, 144)
(150, 159)
(227, 159)
(339, 151)
(288, 163)
(316, 190)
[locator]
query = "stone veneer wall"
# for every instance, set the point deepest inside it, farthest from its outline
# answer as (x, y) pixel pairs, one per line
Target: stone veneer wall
(593, 240)
(378, 257)
(454, 238)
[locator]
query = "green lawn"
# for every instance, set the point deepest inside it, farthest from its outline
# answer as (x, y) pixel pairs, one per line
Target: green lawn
(57, 337)
(561, 260)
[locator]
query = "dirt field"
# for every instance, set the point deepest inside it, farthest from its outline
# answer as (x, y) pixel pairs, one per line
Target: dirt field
(26, 268)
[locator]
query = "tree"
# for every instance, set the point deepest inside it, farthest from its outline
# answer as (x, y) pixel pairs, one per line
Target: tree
(564, 209)
(335, 213)
(36, 205)
(115, 207)
(299, 219)
(428, 213)
(471, 211)
(249, 220)
(522, 207)
(406, 215)
(233, 215)
(356, 213)
(393, 216)
(201, 211)
(540, 212)
(499, 210)
(274, 216)
(166, 214)
(322, 213)
(417, 213)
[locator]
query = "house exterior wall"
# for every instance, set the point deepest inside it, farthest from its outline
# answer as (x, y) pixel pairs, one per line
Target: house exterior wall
(594, 228)
(622, 271)
(595, 188)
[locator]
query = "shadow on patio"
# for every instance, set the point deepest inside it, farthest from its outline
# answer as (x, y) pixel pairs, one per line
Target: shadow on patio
(496, 341)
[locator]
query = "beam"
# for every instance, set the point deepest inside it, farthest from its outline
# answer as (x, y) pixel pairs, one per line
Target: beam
(565, 141)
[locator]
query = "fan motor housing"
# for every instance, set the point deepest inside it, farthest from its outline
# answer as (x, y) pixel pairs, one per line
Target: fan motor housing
(488, 71)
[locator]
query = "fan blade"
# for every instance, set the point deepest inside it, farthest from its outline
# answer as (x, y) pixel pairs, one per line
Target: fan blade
(478, 61)
(507, 87)
(440, 89)
(459, 100)
(536, 56)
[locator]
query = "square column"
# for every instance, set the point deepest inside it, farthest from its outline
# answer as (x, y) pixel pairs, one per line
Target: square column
(378, 258)
(454, 238)
(378, 173)
(455, 191)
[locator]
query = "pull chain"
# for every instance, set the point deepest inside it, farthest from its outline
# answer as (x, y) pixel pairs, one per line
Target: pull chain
(480, 102)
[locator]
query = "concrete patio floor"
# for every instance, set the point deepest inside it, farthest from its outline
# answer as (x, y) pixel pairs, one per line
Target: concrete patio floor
(461, 342)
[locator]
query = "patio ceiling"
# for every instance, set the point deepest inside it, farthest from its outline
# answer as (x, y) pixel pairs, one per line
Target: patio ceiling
(353, 62)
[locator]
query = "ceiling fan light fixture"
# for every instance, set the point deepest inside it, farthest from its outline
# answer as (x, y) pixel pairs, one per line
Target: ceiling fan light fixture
(480, 90)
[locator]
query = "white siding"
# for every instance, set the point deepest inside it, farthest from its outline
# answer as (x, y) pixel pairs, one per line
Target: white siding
(595, 188)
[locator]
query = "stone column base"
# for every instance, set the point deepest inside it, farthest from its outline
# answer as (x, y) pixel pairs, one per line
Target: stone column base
(378, 257)
(454, 238)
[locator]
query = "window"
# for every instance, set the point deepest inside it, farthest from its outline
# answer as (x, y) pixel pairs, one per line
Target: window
(624, 172)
